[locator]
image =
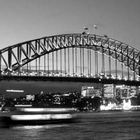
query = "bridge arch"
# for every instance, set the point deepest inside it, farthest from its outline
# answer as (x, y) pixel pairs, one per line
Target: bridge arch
(16, 56)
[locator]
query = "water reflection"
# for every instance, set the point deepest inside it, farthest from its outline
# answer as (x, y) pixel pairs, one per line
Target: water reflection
(92, 126)
(37, 132)
(28, 127)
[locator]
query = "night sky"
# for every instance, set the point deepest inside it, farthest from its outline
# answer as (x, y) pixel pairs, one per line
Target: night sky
(22, 20)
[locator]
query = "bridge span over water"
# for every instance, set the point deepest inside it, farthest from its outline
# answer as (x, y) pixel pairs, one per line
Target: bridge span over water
(71, 58)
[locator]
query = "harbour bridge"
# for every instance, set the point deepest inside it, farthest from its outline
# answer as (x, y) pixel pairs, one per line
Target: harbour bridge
(72, 57)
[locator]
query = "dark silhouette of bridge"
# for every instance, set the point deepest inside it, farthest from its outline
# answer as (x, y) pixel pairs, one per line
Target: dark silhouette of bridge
(72, 57)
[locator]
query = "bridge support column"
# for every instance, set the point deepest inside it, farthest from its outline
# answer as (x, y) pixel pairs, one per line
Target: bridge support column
(19, 59)
(96, 63)
(10, 60)
(116, 65)
(110, 66)
(103, 62)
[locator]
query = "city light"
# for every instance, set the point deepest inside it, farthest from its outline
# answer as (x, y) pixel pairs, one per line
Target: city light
(13, 90)
(127, 105)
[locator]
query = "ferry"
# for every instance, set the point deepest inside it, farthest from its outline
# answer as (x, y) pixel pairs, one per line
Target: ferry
(37, 116)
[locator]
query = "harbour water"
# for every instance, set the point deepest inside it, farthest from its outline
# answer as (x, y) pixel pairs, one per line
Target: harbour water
(121, 125)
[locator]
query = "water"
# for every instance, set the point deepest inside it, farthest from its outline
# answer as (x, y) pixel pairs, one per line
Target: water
(91, 126)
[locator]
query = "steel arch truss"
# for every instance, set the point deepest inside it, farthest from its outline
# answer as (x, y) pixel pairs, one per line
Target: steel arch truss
(14, 57)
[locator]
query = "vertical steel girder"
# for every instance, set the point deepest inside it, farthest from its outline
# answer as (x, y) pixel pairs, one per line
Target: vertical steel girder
(10, 58)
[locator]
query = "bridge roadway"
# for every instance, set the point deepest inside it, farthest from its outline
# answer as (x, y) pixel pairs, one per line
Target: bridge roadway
(71, 79)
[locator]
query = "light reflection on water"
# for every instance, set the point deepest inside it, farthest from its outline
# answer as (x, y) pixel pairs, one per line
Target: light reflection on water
(35, 132)
(91, 126)
(38, 126)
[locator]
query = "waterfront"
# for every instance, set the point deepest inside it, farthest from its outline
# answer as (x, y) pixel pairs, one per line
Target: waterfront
(121, 125)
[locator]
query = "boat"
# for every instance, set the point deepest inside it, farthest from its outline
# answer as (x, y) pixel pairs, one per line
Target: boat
(37, 116)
